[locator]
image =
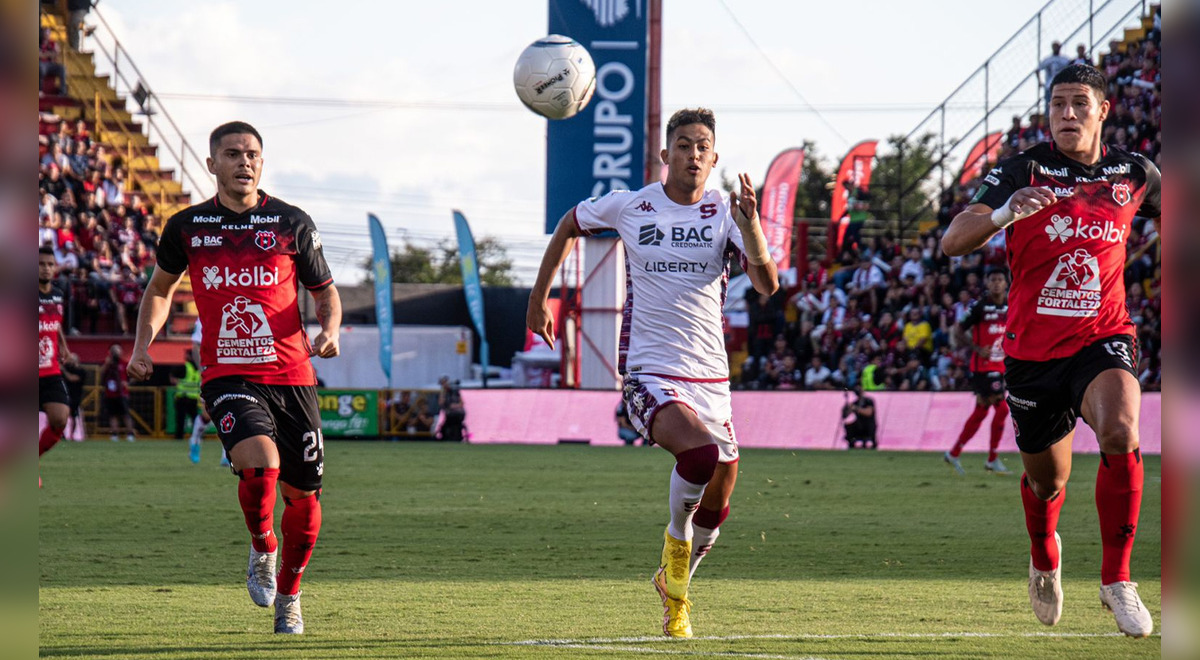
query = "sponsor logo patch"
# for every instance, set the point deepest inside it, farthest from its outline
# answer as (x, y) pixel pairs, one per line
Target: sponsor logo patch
(650, 235)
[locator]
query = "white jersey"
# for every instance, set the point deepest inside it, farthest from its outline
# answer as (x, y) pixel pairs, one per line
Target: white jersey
(677, 268)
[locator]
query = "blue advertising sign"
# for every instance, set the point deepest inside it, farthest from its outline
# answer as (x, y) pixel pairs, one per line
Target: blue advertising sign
(603, 147)
(381, 268)
(471, 285)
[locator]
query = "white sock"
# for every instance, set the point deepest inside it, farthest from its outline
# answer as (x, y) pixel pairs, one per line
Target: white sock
(685, 497)
(197, 431)
(703, 539)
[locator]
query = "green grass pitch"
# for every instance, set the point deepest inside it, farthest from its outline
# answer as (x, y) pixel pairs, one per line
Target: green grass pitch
(456, 551)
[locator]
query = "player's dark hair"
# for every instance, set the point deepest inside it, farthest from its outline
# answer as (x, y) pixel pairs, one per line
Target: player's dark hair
(692, 116)
(46, 249)
(1084, 74)
(231, 128)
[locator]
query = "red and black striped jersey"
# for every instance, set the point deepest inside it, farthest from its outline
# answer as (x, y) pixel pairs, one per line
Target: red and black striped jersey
(1068, 259)
(246, 269)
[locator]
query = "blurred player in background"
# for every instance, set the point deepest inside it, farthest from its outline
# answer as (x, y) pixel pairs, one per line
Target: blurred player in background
(679, 239)
(53, 398)
(247, 254)
(114, 377)
(1067, 207)
(982, 332)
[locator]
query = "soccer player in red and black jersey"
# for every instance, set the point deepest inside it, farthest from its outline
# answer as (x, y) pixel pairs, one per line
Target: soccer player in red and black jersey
(985, 320)
(247, 254)
(1070, 345)
(53, 398)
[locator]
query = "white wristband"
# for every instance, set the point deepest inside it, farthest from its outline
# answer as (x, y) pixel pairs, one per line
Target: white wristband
(1004, 216)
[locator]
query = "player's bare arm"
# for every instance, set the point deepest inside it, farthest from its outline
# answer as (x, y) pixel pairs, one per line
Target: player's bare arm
(761, 269)
(63, 349)
(329, 315)
(538, 317)
(156, 304)
(978, 223)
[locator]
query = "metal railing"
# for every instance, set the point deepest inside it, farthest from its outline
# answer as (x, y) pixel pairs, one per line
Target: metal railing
(1009, 83)
(129, 82)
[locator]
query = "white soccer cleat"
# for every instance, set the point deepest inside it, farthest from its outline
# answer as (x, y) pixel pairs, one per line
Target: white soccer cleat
(1045, 590)
(287, 614)
(260, 577)
(1121, 598)
(997, 467)
(954, 463)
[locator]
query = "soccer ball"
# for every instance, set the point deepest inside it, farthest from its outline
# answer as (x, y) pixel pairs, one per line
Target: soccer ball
(555, 77)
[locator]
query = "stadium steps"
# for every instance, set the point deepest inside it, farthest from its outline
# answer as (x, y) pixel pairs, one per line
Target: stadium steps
(125, 137)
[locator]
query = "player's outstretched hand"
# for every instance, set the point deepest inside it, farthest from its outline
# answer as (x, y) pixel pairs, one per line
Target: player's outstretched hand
(539, 319)
(744, 205)
(140, 366)
(325, 345)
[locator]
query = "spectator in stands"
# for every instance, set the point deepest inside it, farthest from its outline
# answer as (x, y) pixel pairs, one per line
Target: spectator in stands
(872, 378)
(765, 322)
(82, 135)
(1081, 56)
(126, 294)
(913, 266)
(818, 376)
(918, 334)
(77, 11)
(56, 157)
(54, 183)
(50, 63)
(1050, 66)
(421, 420)
(114, 187)
(789, 376)
(401, 412)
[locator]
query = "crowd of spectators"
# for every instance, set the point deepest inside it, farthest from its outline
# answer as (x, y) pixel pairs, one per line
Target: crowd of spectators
(102, 233)
(882, 316)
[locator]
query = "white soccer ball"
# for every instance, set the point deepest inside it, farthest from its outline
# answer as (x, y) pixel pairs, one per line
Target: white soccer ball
(555, 77)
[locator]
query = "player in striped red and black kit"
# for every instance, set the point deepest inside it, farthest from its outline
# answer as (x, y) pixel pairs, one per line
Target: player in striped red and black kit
(53, 398)
(247, 254)
(1067, 208)
(985, 321)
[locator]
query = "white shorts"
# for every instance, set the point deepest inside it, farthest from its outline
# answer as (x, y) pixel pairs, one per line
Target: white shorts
(646, 395)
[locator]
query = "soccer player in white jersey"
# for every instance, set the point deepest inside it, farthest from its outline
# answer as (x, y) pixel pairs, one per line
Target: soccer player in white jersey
(679, 240)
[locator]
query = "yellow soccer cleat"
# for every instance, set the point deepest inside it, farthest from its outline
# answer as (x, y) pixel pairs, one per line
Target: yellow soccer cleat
(674, 566)
(677, 620)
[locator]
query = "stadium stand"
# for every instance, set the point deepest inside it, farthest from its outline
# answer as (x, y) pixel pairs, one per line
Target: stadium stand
(102, 194)
(888, 308)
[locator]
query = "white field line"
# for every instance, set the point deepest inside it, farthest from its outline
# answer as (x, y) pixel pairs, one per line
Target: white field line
(559, 644)
(803, 636)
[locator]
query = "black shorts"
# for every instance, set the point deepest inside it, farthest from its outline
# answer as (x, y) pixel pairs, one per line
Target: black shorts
(1045, 398)
(287, 414)
(987, 383)
(116, 406)
(53, 389)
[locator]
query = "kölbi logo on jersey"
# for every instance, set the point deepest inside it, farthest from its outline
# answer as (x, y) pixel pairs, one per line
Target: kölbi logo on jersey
(1061, 229)
(254, 276)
